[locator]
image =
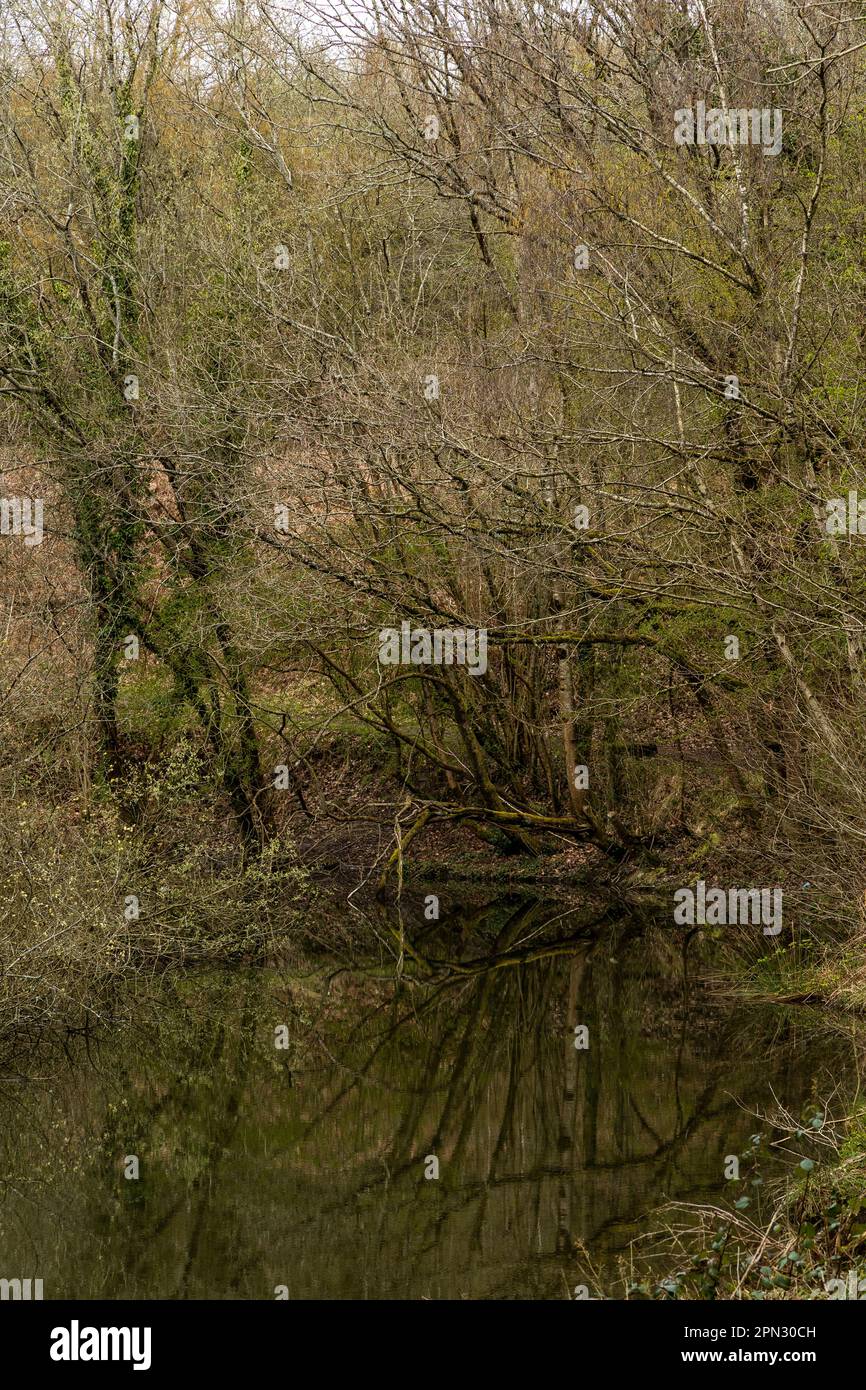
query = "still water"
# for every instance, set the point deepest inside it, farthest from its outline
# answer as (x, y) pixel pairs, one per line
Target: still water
(303, 1165)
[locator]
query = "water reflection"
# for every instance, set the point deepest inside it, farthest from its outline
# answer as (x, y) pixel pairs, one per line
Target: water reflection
(305, 1166)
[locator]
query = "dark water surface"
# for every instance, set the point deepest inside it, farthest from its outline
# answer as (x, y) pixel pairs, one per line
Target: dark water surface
(305, 1166)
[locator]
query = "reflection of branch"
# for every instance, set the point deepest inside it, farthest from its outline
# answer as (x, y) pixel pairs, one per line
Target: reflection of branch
(219, 1146)
(565, 947)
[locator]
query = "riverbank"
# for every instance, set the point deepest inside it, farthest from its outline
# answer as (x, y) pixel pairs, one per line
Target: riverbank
(800, 1237)
(101, 887)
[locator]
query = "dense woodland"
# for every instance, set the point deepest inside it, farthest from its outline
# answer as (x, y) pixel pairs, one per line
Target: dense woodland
(324, 321)
(319, 323)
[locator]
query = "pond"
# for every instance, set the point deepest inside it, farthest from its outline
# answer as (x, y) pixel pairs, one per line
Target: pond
(339, 1133)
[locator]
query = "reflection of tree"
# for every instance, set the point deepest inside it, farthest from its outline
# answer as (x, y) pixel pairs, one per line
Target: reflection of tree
(181, 1125)
(542, 1148)
(595, 1095)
